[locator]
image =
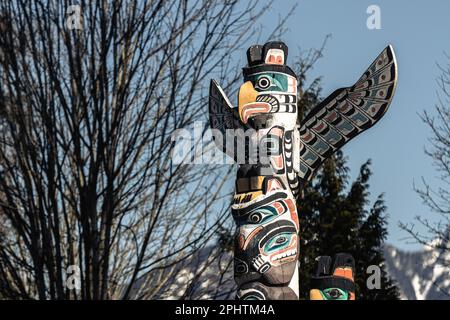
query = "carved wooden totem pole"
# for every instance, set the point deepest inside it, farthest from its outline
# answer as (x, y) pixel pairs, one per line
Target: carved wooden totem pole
(277, 154)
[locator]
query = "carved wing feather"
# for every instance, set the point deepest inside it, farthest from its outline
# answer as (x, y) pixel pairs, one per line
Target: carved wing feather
(346, 113)
(222, 115)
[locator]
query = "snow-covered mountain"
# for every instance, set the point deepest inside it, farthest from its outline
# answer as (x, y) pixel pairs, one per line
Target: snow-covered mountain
(420, 275)
(208, 274)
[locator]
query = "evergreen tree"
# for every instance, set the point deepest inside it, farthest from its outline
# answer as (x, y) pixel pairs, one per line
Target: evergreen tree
(333, 220)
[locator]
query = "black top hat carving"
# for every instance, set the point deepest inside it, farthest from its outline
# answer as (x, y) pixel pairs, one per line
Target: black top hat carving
(271, 56)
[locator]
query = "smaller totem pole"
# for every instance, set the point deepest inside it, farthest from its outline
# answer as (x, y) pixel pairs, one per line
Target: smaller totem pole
(334, 278)
(277, 154)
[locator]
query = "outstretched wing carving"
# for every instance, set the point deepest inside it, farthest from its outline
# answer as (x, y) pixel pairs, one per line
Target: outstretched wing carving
(222, 116)
(346, 113)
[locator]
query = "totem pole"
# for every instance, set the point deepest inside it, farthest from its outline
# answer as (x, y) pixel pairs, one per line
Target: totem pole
(277, 154)
(334, 278)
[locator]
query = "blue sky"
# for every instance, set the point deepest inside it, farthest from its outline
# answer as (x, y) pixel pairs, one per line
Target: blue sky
(418, 31)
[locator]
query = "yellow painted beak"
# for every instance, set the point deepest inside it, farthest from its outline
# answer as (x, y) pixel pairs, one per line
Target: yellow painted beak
(315, 294)
(247, 104)
(247, 94)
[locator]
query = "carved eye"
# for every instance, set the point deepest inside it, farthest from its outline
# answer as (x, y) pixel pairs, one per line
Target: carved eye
(334, 294)
(281, 240)
(278, 242)
(255, 217)
(262, 215)
(240, 268)
(263, 83)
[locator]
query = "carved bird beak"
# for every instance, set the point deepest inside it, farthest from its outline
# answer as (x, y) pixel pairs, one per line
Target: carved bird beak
(247, 103)
(315, 294)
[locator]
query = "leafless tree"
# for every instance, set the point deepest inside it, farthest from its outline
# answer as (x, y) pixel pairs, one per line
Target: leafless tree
(87, 110)
(437, 198)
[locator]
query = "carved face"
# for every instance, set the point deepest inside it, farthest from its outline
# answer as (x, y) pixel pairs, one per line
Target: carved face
(266, 240)
(273, 256)
(269, 95)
